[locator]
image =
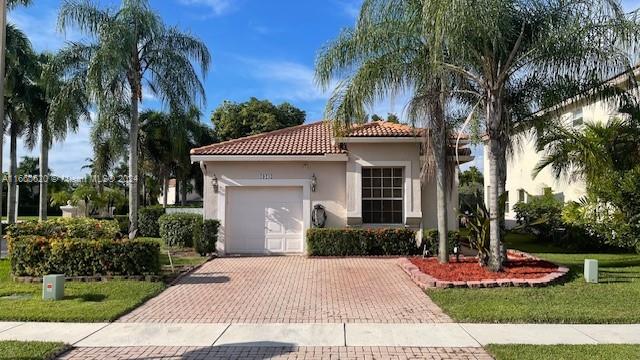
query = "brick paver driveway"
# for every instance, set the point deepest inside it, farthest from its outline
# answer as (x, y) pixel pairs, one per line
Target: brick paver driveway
(292, 289)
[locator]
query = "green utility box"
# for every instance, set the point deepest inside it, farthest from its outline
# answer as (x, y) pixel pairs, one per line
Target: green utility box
(53, 287)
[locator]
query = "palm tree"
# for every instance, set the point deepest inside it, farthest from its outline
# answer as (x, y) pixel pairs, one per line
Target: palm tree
(20, 93)
(59, 108)
(385, 53)
(493, 43)
(134, 47)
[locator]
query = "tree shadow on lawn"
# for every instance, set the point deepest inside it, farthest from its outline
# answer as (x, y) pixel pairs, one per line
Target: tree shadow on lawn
(87, 297)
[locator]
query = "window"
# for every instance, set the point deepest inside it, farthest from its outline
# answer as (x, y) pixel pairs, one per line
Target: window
(522, 196)
(577, 118)
(382, 195)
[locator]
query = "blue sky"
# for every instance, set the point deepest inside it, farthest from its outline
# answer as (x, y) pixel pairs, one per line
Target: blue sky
(260, 48)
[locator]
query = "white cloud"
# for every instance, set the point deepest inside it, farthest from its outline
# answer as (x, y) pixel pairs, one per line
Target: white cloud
(65, 158)
(285, 80)
(350, 7)
(217, 7)
(42, 30)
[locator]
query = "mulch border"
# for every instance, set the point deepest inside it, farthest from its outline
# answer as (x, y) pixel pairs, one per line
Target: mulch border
(426, 281)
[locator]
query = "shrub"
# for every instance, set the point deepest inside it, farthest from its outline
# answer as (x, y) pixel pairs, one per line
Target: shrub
(205, 241)
(148, 221)
(430, 240)
(541, 216)
(33, 255)
(178, 229)
(354, 242)
(123, 223)
(85, 228)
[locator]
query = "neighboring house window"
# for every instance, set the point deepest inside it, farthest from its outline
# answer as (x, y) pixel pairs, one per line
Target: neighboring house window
(522, 196)
(577, 118)
(382, 195)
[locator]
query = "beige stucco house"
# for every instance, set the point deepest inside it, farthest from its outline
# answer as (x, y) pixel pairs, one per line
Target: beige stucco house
(263, 188)
(521, 184)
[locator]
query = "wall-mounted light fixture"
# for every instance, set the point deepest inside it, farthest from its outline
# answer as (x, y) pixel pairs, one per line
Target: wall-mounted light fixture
(314, 182)
(214, 183)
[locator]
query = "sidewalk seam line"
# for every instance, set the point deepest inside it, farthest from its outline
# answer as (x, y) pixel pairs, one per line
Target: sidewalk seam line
(573, 326)
(90, 334)
(344, 332)
(468, 333)
(13, 327)
(222, 333)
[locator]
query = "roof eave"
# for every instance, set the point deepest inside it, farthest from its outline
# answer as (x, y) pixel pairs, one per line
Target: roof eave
(302, 157)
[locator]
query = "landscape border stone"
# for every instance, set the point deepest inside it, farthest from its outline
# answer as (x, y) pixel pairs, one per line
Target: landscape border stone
(426, 281)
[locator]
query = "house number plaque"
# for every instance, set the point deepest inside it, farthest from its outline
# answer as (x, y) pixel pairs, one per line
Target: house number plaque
(265, 176)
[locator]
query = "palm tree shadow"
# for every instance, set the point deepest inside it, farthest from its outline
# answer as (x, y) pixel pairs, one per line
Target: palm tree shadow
(259, 350)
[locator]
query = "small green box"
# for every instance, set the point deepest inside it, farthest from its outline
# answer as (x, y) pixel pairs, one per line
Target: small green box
(53, 287)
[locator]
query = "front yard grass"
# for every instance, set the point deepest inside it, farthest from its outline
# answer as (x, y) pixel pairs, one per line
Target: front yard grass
(86, 302)
(564, 352)
(29, 350)
(610, 301)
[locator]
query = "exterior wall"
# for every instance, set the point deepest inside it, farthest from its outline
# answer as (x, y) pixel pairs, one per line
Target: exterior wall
(338, 184)
(192, 196)
(330, 191)
(521, 164)
(420, 198)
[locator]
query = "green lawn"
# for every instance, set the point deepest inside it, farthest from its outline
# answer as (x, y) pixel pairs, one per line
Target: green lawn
(29, 350)
(87, 302)
(611, 301)
(564, 352)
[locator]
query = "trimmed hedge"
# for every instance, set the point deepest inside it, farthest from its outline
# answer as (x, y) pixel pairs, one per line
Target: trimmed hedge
(148, 221)
(178, 229)
(361, 242)
(85, 228)
(37, 256)
(204, 241)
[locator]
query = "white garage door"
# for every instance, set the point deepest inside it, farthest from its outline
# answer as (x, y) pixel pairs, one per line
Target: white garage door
(264, 220)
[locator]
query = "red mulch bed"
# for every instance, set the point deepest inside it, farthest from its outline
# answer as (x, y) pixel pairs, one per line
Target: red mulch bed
(468, 269)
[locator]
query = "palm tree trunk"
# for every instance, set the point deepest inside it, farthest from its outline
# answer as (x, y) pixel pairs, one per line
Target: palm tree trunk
(3, 46)
(11, 196)
(44, 170)
(165, 189)
(183, 190)
(133, 164)
(176, 194)
(493, 121)
(439, 140)
(441, 200)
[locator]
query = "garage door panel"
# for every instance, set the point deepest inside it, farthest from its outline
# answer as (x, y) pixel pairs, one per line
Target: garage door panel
(264, 220)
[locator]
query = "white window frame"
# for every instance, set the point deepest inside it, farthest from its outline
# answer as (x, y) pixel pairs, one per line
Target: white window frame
(408, 189)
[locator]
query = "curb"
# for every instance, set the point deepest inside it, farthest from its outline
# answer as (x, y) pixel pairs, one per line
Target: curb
(426, 281)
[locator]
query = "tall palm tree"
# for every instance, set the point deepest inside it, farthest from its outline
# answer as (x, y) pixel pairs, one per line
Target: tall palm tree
(62, 105)
(20, 95)
(134, 47)
(387, 52)
(494, 42)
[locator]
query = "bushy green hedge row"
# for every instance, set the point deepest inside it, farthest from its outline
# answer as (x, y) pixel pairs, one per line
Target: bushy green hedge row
(361, 242)
(85, 228)
(178, 229)
(37, 256)
(205, 242)
(148, 217)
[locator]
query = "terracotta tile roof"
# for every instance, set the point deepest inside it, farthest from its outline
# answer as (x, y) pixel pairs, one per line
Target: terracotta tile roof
(307, 139)
(384, 129)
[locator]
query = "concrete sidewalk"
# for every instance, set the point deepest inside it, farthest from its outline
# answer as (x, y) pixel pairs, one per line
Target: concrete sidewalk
(330, 334)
